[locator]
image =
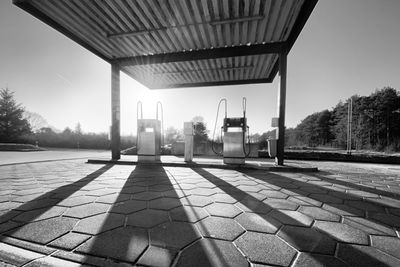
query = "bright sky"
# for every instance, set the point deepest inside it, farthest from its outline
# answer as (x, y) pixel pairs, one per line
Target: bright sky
(346, 48)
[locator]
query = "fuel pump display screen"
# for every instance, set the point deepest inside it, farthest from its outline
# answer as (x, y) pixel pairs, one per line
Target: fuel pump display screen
(235, 123)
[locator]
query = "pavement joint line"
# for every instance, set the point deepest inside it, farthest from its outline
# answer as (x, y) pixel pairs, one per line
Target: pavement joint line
(207, 165)
(40, 161)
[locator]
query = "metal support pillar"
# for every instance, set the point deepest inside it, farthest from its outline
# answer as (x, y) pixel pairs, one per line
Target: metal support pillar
(280, 134)
(115, 113)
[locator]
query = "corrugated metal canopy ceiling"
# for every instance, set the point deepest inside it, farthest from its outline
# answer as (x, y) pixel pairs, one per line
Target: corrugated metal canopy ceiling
(181, 43)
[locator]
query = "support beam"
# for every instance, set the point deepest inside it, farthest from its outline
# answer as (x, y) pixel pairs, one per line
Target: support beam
(204, 84)
(223, 52)
(280, 134)
(115, 113)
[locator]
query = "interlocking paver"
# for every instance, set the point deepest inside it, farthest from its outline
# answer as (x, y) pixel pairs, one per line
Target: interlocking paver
(147, 218)
(160, 187)
(326, 198)
(344, 210)
(174, 235)
(124, 243)
(253, 205)
(129, 206)
(69, 241)
(387, 219)
(224, 198)
(76, 201)
(273, 194)
(258, 223)
(363, 205)
(390, 245)
(368, 226)
(223, 210)
(290, 217)
(156, 256)
(51, 261)
(44, 231)
(317, 260)
(164, 203)
(113, 198)
(283, 220)
(36, 204)
(133, 189)
(203, 191)
(221, 228)
(319, 213)
(281, 204)
(4, 227)
(87, 210)
(307, 239)
(188, 214)
(174, 193)
(211, 252)
(266, 248)
(305, 201)
(40, 214)
(342, 232)
(102, 192)
(16, 256)
(199, 201)
(100, 223)
(356, 255)
(147, 195)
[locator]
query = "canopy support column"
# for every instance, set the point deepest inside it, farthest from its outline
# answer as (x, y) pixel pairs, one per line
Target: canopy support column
(115, 112)
(280, 134)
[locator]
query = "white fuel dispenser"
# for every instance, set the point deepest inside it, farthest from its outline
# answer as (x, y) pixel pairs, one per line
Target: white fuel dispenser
(148, 136)
(233, 134)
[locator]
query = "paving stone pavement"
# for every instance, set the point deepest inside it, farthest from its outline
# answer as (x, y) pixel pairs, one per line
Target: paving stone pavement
(68, 213)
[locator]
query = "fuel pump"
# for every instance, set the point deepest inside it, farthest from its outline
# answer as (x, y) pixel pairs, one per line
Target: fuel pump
(149, 137)
(233, 135)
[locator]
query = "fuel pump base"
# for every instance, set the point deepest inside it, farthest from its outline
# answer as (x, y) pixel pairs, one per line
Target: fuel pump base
(149, 140)
(233, 148)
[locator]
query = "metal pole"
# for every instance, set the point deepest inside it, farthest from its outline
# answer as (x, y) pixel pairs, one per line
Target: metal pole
(281, 108)
(349, 121)
(115, 113)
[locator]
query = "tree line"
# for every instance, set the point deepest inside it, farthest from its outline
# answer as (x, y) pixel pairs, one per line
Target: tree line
(375, 124)
(20, 126)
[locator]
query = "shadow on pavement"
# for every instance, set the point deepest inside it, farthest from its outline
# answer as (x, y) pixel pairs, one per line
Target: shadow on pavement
(148, 236)
(350, 253)
(43, 203)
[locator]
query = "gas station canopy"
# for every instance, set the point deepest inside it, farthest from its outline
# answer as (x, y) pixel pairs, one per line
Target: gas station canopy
(181, 43)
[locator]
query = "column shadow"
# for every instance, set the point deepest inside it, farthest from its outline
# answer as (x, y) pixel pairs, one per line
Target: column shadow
(38, 204)
(149, 236)
(238, 195)
(356, 186)
(282, 181)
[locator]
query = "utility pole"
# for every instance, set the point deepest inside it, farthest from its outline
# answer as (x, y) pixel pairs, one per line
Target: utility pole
(349, 121)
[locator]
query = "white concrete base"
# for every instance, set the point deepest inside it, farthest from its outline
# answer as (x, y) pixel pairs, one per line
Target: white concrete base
(235, 161)
(148, 158)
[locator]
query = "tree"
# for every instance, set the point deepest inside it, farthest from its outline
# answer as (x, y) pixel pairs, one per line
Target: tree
(35, 120)
(12, 124)
(172, 135)
(78, 134)
(200, 130)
